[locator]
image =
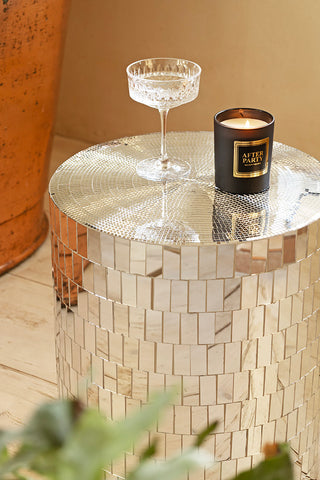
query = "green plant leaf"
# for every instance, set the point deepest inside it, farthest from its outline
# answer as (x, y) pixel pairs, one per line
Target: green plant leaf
(51, 424)
(201, 437)
(95, 443)
(278, 467)
(173, 468)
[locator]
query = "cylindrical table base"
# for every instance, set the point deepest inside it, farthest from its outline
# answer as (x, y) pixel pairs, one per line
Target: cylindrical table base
(235, 325)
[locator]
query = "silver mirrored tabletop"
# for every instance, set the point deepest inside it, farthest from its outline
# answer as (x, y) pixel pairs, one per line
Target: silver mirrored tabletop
(99, 188)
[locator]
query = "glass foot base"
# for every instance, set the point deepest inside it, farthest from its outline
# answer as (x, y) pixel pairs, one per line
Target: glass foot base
(154, 169)
(167, 231)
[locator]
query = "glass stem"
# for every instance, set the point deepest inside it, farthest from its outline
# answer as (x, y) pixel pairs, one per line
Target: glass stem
(163, 119)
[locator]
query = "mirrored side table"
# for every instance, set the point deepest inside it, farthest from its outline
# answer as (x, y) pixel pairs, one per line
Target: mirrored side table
(179, 283)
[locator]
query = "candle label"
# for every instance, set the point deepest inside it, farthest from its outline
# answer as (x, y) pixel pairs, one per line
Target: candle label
(250, 158)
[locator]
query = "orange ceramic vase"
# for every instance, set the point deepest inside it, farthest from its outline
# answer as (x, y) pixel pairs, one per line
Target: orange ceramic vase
(31, 43)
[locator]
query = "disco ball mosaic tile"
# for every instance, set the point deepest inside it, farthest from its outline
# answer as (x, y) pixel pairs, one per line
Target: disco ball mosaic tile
(227, 306)
(99, 187)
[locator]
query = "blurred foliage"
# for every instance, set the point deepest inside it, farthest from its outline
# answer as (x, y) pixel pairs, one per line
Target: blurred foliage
(64, 441)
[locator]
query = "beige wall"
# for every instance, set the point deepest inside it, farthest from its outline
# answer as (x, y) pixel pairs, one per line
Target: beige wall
(258, 53)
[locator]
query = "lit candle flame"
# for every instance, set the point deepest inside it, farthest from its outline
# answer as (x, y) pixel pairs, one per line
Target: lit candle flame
(247, 124)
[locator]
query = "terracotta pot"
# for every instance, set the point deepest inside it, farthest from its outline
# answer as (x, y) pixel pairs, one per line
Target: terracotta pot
(31, 41)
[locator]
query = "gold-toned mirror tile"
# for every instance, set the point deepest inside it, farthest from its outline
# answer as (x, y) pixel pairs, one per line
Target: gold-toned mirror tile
(232, 294)
(302, 241)
(217, 413)
(79, 330)
(223, 327)
(124, 381)
(249, 291)
(208, 390)
(99, 280)
(264, 351)
(164, 359)
(76, 357)
(64, 228)
(198, 360)
(223, 446)
(279, 284)
(316, 296)
(305, 267)
(243, 258)
(277, 349)
(154, 326)
(87, 275)
(171, 263)
(137, 258)
(240, 325)
(171, 327)
(182, 419)
(215, 359)
(312, 237)
(289, 248)
(136, 322)
(265, 287)
(161, 294)
(179, 296)
(116, 348)
(197, 296)
(147, 356)
(291, 341)
(232, 417)
(285, 312)
(182, 354)
(83, 305)
(276, 404)
(288, 400)
(293, 278)
(154, 261)
(121, 318)
(232, 357)
(166, 425)
(93, 248)
(199, 419)
(97, 370)
(292, 424)
(107, 250)
(106, 314)
(191, 390)
(297, 308)
(207, 262)
(239, 442)
(215, 295)
(315, 267)
(144, 292)
(249, 354)
(114, 285)
(206, 328)
(82, 233)
(102, 344)
(271, 318)
(248, 413)
(139, 385)
(256, 322)
(295, 368)
(156, 382)
(94, 309)
(129, 289)
(122, 254)
(308, 301)
(225, 261)
(262, 412)
(189, 263)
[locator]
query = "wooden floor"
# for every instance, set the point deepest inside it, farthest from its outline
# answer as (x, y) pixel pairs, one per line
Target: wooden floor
(27, 357)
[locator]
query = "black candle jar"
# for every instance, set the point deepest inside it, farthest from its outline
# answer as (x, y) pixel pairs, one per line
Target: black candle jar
(243, 152)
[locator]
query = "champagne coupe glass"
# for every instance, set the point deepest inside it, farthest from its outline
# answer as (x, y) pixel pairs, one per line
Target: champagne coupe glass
(163, 83)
